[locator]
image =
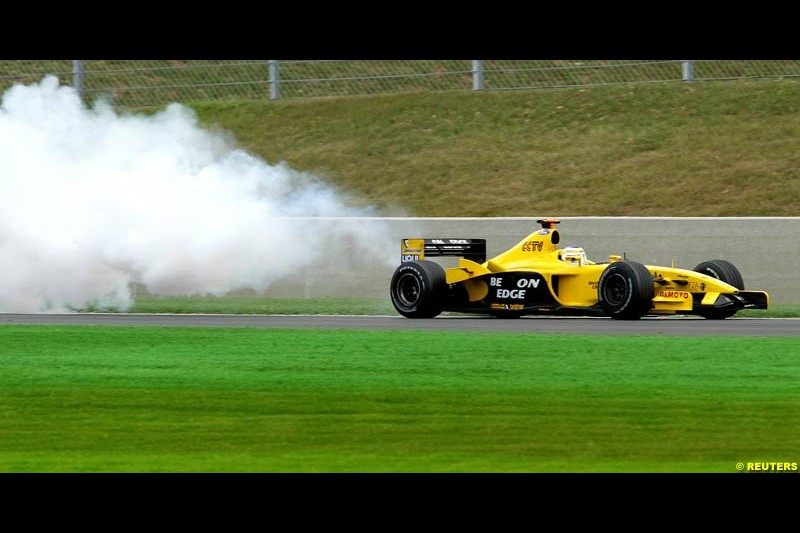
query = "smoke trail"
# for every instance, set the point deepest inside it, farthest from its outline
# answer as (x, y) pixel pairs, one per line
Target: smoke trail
(92, 201)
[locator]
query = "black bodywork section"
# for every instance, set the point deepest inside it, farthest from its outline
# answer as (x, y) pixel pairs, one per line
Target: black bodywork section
(512, 292)
(472, 249)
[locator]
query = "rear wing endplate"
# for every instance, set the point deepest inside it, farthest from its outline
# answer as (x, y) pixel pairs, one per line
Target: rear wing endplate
(419, 249)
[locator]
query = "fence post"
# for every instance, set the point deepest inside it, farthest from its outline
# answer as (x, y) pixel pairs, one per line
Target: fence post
(477, 75)
(688, 70)
(274, 80)
(77, 77)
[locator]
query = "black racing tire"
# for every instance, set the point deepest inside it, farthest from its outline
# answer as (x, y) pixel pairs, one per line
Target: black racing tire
(723, 271)
(625, 290)
(418, 289)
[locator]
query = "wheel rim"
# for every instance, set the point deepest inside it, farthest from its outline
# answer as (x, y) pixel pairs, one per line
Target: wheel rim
(408, 290)
(615, 290)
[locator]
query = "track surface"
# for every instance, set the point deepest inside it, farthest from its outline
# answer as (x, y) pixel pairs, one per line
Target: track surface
(751, 327)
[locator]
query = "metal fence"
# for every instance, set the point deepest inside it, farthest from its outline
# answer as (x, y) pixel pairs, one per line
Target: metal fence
(152, 83)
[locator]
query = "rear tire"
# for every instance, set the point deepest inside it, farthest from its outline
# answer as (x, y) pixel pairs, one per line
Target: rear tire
(418, 289)
(625, 290)
(723, 271)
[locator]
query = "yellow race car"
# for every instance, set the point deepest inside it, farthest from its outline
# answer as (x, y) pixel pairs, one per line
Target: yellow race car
(537, 277)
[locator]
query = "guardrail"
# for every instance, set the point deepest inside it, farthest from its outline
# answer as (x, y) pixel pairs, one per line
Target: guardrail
(150, 83)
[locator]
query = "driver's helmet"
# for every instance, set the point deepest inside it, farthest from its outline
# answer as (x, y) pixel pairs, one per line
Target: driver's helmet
(574, 254)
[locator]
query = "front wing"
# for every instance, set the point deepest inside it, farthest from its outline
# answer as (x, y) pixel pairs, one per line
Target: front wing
(731, 302)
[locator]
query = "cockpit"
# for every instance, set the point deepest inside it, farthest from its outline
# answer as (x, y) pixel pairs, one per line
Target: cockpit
(574, 254)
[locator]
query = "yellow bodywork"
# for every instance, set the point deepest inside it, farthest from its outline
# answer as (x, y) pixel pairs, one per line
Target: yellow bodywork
(573, 280)
(412, 249)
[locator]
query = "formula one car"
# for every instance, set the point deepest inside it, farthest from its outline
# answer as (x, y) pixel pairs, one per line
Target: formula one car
(537, 277)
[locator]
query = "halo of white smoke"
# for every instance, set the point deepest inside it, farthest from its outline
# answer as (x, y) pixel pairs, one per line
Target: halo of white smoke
(92, 201)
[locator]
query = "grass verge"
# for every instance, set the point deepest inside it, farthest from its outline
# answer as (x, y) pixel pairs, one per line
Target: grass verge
(119, 399)
(323, 306)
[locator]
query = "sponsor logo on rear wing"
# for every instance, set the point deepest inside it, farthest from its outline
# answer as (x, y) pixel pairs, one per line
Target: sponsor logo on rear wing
(418, 249)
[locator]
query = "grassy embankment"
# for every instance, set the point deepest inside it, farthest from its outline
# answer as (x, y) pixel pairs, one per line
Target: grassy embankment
(670, 149)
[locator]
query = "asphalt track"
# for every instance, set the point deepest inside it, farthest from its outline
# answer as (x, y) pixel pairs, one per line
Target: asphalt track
(689, 326)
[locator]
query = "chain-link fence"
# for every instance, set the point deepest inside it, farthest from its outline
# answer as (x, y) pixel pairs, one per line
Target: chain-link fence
(150, 83)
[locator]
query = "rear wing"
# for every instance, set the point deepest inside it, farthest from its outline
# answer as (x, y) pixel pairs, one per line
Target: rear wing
(419, 249)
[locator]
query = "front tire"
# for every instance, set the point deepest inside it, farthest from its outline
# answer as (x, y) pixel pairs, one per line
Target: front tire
(418, 289)
(724, 271)
(625, 290)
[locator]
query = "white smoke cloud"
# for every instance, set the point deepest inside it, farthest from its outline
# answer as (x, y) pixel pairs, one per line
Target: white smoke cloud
(92, 201)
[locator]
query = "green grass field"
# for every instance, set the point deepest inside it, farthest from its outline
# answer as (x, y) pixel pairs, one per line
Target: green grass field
(122, 399)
